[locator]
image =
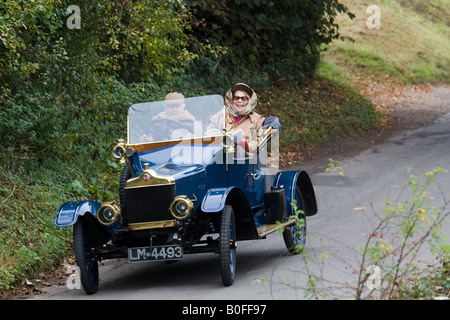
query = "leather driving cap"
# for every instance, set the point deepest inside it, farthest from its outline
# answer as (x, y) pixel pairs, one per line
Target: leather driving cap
(174, 96)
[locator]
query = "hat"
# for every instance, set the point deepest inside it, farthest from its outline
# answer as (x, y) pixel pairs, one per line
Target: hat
(242, 87)
(174, 96)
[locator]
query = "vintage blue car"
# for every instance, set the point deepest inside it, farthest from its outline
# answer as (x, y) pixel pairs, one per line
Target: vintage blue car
(185, 191)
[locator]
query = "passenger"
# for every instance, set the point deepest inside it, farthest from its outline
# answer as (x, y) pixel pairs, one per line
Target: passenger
(240, 117)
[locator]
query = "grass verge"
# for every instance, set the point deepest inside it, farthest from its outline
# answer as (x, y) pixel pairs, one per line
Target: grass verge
(316, 111)
(411, 47)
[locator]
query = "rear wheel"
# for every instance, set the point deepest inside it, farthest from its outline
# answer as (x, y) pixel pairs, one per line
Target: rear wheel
(295, 236)
(85, 256)
(227, 246)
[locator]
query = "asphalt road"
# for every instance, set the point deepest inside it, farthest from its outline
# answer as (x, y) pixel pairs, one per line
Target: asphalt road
(264, 271)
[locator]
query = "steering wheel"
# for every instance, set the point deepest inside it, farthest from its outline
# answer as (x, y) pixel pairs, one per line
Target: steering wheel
(162, 128)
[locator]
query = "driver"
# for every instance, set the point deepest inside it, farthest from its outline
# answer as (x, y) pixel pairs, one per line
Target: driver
(174, 109)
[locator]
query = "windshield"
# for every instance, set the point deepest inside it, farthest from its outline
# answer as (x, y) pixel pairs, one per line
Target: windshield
(175, 119)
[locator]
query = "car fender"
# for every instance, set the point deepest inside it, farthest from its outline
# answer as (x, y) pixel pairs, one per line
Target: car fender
(215, 200)
(69, 212)
(289, 180)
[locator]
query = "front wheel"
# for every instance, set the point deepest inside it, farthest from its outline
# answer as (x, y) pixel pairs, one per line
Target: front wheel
(295, 236)
(85, 256)
(227, 246)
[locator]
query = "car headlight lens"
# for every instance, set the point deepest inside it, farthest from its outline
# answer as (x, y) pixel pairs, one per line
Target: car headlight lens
(181, 207)
(108, 214)
(118, 152)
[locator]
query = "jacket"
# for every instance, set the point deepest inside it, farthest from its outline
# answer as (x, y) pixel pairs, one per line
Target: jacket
(248, 128)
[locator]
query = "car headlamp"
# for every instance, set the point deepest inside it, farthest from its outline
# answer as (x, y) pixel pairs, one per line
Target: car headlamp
(119, 151)
(181, 207)
(108, 214)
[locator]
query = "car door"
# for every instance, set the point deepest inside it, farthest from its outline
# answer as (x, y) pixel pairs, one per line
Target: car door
(243, 172)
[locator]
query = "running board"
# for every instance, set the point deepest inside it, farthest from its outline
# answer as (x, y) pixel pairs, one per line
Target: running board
(266, 229)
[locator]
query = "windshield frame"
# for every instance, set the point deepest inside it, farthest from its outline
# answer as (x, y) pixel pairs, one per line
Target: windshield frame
(203, 108)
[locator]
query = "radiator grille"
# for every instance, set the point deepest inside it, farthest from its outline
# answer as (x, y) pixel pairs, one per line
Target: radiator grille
(149, 204)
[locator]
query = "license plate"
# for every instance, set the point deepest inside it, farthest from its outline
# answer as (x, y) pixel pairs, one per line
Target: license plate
(170, 252)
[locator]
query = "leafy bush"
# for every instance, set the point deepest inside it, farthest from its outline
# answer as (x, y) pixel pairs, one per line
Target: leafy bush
(275, 39)
(403, 231)
(52, 77)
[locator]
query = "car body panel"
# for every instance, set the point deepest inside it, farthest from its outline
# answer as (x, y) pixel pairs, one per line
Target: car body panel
(289, 180)
(69, 212)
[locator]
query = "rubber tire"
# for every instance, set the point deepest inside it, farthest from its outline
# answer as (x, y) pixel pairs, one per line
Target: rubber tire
(295, 236)
(84, 255)
(227, 254)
